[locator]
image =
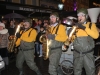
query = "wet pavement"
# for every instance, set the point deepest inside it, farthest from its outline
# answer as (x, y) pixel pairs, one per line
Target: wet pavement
(40, 62)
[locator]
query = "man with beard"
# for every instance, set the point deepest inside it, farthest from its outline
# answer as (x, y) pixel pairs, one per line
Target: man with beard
(83, 44)
(56, 38)
(25, 41)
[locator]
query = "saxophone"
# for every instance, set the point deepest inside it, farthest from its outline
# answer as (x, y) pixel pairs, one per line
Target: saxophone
(43, 38)
(12, 39)
(68, 41)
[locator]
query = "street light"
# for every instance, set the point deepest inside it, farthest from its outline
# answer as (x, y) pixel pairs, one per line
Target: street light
(60, 6)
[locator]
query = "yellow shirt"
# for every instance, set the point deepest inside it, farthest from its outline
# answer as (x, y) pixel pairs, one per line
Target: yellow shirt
(93, 32)
(61, 33)
(27, 38)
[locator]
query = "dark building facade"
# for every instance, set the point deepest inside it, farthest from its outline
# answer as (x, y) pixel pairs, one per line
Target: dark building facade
(94, 3)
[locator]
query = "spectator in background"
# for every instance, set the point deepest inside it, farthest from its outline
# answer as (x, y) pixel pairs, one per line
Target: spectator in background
(37, 27)
(39, 24)
(11, 28)
(42, 31)
(34, 23)
(6, 23)
(46, 24)
(98, 70)
(4, 44)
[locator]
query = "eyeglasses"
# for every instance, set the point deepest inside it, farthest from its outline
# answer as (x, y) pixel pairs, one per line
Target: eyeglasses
(45, 22)
(52, 16)
(81, 14)
(26, 23)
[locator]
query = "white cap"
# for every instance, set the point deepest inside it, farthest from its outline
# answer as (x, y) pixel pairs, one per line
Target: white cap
(2, 24)
(71, 17)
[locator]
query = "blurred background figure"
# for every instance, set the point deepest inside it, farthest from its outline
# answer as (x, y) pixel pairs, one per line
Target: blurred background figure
(42, 32)
(37, 27)
(98, 70)
(11, 28)
(4, 44)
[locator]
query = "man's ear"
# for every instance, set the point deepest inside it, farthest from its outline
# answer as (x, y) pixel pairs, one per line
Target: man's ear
(86, 16)
(57, 18)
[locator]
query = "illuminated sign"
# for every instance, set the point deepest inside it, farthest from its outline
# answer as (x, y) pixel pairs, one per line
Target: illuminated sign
(28, 9)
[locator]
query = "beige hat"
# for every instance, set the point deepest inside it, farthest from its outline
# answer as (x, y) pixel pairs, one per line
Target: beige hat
(2, 24)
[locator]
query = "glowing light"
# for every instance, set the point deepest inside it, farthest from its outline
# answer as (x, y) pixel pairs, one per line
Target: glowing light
(75, 5)
(63, 1)
(0, 64)
(60, 6)
(18, 28)
(96, 4)
(33, 19)
(2, 16)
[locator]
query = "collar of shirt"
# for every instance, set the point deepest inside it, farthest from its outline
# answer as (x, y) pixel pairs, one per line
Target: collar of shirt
(54, 24)
(84, 22)
(13, 26)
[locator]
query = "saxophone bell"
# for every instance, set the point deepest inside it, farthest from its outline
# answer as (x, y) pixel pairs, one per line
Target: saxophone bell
(12, 40)
(43, 38)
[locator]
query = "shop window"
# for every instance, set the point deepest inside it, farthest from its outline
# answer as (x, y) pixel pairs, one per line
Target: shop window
(22, 1)
(51, 7)
(33, 2)
(8, 0)
(43, 5)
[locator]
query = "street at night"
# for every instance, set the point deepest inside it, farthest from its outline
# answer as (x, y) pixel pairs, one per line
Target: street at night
(12, 70)
(66, 32)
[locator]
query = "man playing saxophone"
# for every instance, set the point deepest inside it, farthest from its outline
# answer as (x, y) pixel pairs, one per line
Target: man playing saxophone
(25, 43)
(56, 37)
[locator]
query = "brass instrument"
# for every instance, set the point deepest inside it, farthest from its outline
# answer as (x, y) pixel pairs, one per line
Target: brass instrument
(12, 40)
(93, 14)
(70, 36)
(43, 38)
(69, 22)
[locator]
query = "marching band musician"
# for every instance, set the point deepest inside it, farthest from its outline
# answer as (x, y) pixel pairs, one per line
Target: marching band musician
(4, 44)
(25, 42)
(84, 44)
(56, 37)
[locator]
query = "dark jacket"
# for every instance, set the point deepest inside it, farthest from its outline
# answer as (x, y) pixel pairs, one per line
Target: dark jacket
(38, 36)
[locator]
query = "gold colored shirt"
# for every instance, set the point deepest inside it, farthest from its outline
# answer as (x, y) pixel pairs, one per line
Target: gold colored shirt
(61, 33)
(27, 38)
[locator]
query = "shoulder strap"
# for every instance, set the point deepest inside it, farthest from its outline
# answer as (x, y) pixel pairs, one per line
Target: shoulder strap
(30, 32)
(57, 29)
(53, 29)
(90, 25)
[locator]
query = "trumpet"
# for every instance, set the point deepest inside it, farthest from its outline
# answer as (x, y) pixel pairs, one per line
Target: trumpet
(12, 39)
